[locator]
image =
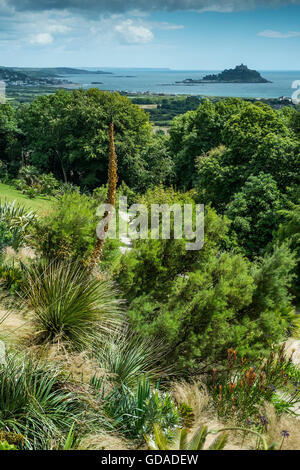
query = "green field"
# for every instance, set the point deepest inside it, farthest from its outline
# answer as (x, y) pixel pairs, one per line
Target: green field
(41, 204)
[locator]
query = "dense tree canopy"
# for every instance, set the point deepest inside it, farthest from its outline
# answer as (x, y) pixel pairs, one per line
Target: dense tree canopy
(67, 133)
(256, 137)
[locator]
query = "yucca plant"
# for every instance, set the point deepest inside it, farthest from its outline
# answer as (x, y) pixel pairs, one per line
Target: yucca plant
(35, 402)
(179, 439)
(134, 412)
(14, 221)
(69, 304)
(126, 357)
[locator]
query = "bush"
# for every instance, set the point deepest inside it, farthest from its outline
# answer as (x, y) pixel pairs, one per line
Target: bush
(289, 232)
(32, 183)
(203, 302)
(254, 213)
(69, 304)
(11, 274)
(239, 388)
(70, 230)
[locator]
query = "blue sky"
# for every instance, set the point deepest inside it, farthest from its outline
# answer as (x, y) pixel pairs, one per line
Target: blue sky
(180, 34)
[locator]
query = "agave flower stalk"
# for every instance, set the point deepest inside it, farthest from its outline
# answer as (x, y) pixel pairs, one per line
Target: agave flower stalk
(111, 196)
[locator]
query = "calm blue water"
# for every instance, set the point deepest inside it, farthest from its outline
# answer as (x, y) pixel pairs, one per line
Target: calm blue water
(163, 81)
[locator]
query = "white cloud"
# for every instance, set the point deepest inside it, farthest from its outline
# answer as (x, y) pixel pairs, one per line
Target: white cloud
(58, 28)
(130, 33)
(269, 33)
(41, 39)
(166, 26)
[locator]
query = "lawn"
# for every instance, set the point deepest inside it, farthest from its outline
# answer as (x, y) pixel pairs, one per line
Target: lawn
(41, 204)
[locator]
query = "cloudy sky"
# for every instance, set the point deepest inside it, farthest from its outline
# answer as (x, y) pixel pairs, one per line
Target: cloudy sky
(180, 34)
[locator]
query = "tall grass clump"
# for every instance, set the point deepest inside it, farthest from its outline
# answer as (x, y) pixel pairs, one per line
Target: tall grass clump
(35, 402)
(125, 357)
(128, 389)
(69, 304)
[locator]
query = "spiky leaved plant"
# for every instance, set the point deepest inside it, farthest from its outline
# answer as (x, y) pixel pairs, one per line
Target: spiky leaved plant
(179, 440)
(160, 440)
(69, 304)
(127, 357)
(35, 403)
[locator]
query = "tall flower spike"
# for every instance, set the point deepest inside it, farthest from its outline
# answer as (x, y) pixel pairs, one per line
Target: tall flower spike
(111, 195)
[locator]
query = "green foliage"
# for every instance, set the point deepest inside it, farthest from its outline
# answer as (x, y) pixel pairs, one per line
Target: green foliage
(11, 274)
(68, 135)
(179, 440)
(289, 232)
(69, 443)
(296, 121)
(186, 414)
(10, 137)
(168, 107)
(70, 230)
(273, 276)
(11, 438)
(14, 224)
(32, 183)
(156, 263)
(254, 213)
(199, 322)
(220, 147)
(239, 389)
(4, 177)
(69, 304)
(4, 445)
(135, 411)
(29, 174)
(35, 402)
(130, 364)
(202, 302)
(197, 132)
(158, 164)
(126, 358)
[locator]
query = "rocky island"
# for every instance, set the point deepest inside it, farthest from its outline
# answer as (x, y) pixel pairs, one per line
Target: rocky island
(241, 74)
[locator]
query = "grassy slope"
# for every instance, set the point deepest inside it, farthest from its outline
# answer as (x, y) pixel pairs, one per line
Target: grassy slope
(39, 204)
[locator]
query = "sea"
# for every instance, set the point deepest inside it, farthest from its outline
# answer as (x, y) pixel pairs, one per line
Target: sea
(163, 81)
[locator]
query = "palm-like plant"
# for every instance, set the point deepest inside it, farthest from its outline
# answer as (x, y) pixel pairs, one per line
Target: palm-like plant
(127, 357)
(160, 440)
(179, 440)
(69, 304)
(35, 402)
(134, 411)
